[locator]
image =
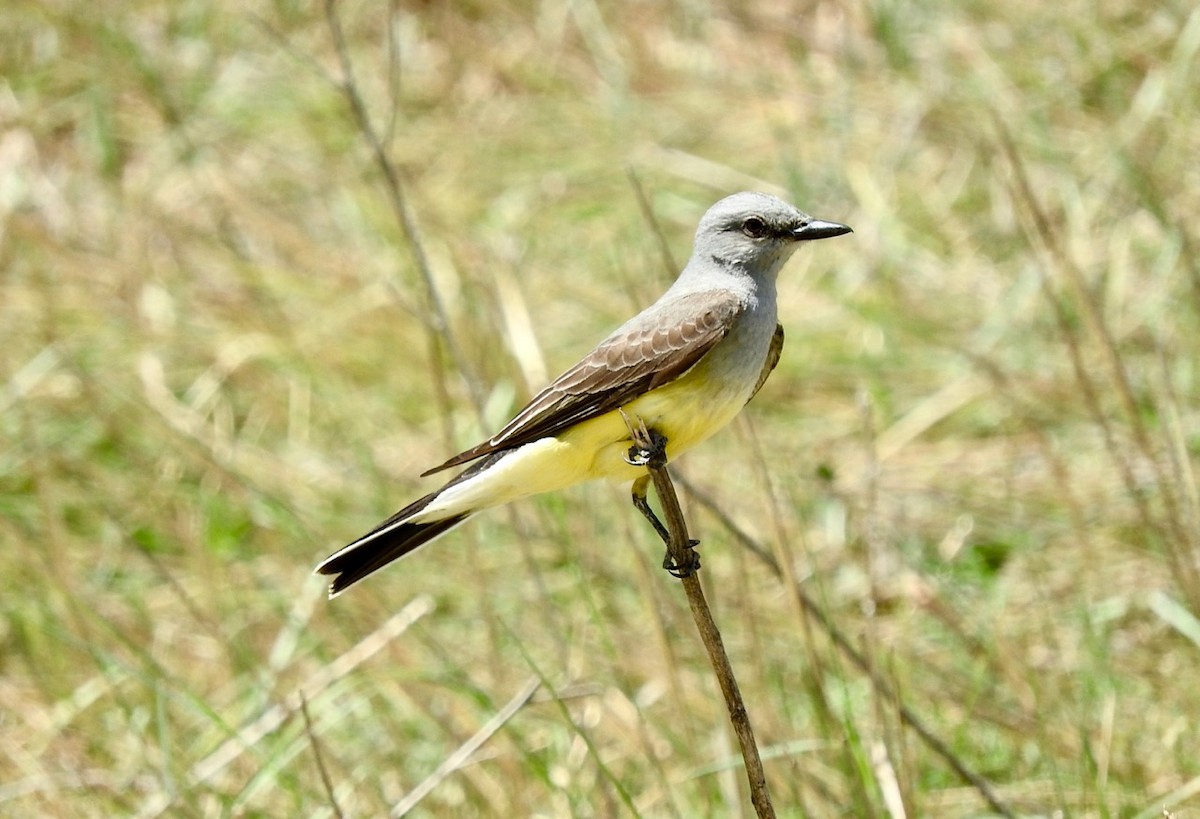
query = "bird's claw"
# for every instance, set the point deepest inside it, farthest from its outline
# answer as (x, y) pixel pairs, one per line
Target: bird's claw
(636, 456)
(653, 456)
(686, 569)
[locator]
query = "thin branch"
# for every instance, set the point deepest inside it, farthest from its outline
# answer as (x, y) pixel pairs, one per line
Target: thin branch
(664, 249)
(277, 714)
(706, 500)
(679, 545)
(302, 58)
(393, 70)
(312, 740)
(882, 687)
(438, 321)
(459, 758)
(1180, 543)
(274, 716)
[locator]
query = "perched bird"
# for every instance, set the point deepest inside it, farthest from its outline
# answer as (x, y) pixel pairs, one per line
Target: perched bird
(685, 366)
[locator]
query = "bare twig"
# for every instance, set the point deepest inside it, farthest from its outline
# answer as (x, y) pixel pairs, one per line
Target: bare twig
(882, 687)
(274, 716)
(312, 740)
(606, 773)
(1181, 544)
(438, 321)
(679, 545)
(459, 758)
(664, 249)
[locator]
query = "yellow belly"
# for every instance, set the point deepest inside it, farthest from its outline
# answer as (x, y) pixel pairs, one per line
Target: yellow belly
(687, 411)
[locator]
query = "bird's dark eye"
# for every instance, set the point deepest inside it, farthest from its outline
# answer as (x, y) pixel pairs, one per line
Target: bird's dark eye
(754, 227)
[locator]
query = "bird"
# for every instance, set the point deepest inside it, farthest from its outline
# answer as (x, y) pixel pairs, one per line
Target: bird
(685, 367)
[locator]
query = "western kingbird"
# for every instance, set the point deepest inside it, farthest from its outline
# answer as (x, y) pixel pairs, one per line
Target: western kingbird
(686, 365)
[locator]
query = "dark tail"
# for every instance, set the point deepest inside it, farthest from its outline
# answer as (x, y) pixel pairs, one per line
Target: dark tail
(394, 538)
(390, 540)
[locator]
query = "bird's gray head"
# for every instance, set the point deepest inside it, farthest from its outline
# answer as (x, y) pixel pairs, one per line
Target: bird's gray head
(756, 233)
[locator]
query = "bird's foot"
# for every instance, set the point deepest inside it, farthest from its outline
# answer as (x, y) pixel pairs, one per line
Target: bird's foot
(653, 456)
(687, 568)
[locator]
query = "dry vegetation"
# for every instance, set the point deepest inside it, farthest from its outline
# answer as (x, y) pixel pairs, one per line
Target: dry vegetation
(218, 364)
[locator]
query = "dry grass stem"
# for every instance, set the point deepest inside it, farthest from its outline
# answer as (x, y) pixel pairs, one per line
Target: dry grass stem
(680, 547)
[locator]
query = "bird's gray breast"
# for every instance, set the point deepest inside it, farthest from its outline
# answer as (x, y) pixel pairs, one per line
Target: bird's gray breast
(733, 367)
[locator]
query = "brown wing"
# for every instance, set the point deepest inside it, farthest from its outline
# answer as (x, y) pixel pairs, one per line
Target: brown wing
(773, 354)
(652, 350)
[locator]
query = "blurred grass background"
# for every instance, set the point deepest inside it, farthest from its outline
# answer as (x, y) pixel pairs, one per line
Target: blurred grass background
(218, 365)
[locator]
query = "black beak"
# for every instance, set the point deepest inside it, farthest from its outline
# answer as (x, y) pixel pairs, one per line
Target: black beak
(816, 229)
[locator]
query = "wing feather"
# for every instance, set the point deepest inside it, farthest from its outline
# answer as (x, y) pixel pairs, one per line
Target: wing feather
(653, 349)
(773, 354)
